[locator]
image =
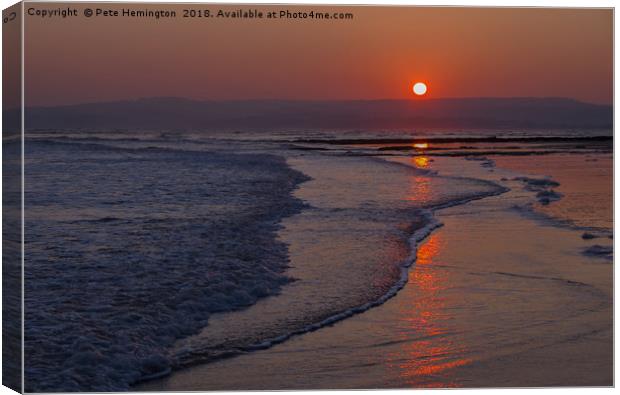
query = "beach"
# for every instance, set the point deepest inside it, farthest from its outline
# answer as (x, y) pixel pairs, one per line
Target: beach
(495, 299)
(314, 265)
(390, 197)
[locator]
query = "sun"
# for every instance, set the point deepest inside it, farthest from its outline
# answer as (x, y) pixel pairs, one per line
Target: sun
(419, 88)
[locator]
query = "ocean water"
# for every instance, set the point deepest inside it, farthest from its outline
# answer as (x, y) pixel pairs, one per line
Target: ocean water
(496, 299)
(131, 249)
(148, 252)
(501, 295)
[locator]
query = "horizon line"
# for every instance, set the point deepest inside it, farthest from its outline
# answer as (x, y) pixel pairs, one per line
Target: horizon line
(413, 99)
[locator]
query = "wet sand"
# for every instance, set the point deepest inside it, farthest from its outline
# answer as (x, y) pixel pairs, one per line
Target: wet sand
(496, 299)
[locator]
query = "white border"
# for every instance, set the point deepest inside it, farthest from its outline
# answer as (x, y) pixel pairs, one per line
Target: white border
(478, 3)
(23, 122)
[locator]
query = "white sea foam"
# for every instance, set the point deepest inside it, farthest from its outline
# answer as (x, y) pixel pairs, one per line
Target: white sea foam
(430, 223)
(130, 250)
(136, 255)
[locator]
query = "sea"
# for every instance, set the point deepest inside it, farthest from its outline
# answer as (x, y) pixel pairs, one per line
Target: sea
(149, 253)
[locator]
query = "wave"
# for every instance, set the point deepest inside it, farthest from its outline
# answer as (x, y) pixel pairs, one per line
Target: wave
(109, 291)
(426, 225)
(109, 340)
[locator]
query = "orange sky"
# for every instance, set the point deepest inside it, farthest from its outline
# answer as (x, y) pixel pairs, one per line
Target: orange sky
(459, 52)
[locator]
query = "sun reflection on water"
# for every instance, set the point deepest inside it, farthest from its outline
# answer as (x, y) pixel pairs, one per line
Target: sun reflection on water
(421, 161)
(427, 352)
(420, 189)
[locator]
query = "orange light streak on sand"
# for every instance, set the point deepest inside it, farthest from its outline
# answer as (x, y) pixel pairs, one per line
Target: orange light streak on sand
(420, 190)
(426, 362)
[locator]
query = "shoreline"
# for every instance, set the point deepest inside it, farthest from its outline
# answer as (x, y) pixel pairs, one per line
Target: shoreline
(416, 239)
(195, 372)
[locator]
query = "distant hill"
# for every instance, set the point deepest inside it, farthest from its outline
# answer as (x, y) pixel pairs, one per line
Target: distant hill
(175, 113)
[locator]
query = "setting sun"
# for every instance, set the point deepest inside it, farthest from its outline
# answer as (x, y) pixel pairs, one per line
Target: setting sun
(419, 88)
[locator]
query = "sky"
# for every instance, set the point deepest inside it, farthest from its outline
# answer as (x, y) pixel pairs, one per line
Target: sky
(379, 54)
